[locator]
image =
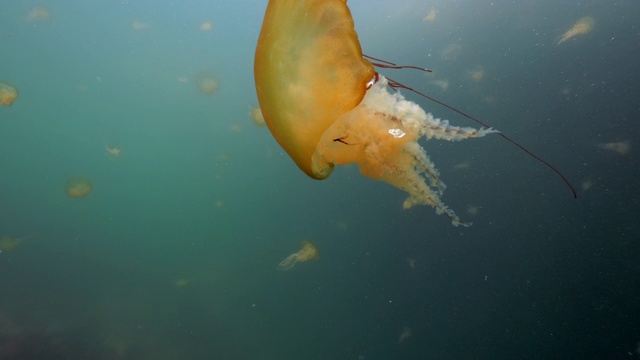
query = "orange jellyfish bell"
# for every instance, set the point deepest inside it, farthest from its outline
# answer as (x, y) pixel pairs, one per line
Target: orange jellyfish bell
(309, 71)
(8, 93)
(325, 104)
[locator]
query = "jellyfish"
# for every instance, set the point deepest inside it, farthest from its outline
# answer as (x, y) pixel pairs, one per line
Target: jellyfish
(306, 253)
(621, 147)
(473, 210)
(236, 128)
(8, 243)
(451, 52)
(39, 13)
(113, 151)
(206, 26)
(207, 82)
(586, 185)
(326, 105)
(442, 84)
(477, 74)
(256, 116)
(8, 93)
(405, 334)
(137, 25)
(431, 15)
(581, 27)
(182, 283)
(78, 187)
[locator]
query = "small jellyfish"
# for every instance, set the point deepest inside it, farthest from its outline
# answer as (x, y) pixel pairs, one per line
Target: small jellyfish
(8, 243)
(206, 26)
(451, 52)
(256, 116)
(489, 99)
(137, 25)
(442, 84)
(406, 333)
(473, 210)
(621, 147)
(236, 128)
(411, 262)
(465, 165)
(113, 151)
(308, 252)
(78, 187)
(581, 27)
(8, 93)
(207, 82)
(182, 283)
(586, 185)
(477, 74)
(38, 13)
(431, 15)
(342, 225)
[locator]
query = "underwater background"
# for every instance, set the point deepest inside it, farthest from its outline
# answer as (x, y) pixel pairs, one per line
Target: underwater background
(174, 253)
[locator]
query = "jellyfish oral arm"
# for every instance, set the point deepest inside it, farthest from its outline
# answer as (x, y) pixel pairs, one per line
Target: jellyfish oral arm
(288, 262)
(381, 135)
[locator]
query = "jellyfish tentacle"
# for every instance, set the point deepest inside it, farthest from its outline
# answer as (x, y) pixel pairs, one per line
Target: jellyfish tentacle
(441, 130)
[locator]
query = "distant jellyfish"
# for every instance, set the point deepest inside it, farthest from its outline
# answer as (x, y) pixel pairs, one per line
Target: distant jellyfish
(621, 147)
(473, 209)
(411, 262)
(431, 15)
(236, 128)
(442, 84)
(342, 225)
(137, 25)
(206, 26)
(8, 243)
(462, 166)
(182, 283)
(78, 187)
(207, 82)
(405, 334)
(586, 185)
(306, 253)
(451, 52)
(256, 116)
(581, 27)
(477, 74)
(8, 93)
(39, 13)
(113, 151)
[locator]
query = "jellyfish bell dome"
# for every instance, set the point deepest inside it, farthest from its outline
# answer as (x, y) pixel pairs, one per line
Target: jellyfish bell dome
(8, 93)
(78, 187)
